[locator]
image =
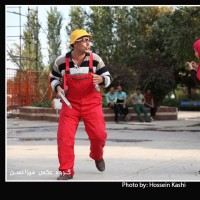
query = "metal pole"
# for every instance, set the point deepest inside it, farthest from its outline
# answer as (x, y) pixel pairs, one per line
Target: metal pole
(37, 77)
(20, 54)
(20, 37)
(29, 42)
(37, 39)
(29, 55)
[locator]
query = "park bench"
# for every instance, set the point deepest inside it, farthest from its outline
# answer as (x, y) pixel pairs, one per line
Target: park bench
(189, 105)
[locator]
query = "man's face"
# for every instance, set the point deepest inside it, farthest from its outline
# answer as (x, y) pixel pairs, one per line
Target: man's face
(83, 44)
(148, 91)
(112, 89)
(138, 91)
(119, 88)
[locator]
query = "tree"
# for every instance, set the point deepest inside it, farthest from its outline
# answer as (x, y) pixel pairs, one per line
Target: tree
(77, 15)
(153, 65)
(31, 50)
(143, 46)
(29, 53)
(54, 25)
(154, 73)
(134, 28)
(100, 24)
(173, 34)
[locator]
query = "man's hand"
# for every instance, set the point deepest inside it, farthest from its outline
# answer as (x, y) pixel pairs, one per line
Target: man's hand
(59, 89)
(111, 104)
(97, 79)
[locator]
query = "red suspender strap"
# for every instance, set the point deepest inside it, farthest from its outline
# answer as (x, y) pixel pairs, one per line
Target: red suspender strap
(91, 62)
(66, 72)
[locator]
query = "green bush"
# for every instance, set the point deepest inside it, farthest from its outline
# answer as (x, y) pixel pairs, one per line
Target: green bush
(46, 104)
(171, 102)
(105, 105)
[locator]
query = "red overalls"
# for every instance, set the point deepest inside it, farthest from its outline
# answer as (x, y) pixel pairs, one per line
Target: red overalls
(86, 104)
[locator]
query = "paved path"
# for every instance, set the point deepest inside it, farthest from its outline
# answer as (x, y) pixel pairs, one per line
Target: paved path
(157, 151)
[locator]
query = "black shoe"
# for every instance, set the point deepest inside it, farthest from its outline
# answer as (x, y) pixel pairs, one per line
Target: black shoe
(64, 177)
(100, 164)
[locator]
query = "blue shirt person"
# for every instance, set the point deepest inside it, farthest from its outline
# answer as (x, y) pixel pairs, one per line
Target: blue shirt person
(122, 103)
(111, 98)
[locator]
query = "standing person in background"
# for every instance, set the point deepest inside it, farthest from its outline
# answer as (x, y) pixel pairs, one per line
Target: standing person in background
(83, 73)
(111, 98)
(138, 105)
(149, 103)
(194, 67)
(122, 103)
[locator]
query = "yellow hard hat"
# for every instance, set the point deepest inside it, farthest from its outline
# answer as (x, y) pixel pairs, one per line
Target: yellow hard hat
(77, 34)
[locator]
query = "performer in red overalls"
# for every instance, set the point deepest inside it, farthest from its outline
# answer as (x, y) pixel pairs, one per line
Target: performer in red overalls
(84, 73)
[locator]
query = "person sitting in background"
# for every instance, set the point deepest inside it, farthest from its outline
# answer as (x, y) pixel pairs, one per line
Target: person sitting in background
(111, 98)
(121, 103)
(149, 103)
(138, 105)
